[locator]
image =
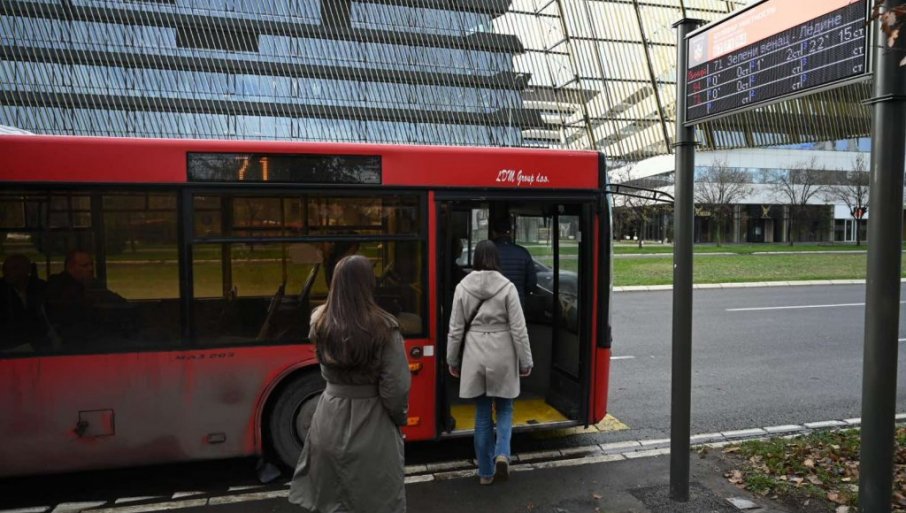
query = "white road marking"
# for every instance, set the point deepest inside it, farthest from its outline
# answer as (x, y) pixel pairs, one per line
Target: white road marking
(161, 506)
(762, 308)
(77, 506)
(247, 497)
(126, 500)
(622, 357)
(901, 340)
(244, 488)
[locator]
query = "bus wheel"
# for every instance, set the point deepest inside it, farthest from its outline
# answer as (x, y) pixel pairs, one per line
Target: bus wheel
(291, 417)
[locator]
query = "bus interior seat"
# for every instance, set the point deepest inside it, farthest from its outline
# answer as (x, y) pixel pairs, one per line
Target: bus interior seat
(271, 310)
(228, 312)
(291, 320)
(305, 293)
(302, 312)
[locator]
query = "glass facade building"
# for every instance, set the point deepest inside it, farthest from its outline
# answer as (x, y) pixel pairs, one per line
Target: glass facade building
(581, 74)
(274, 69)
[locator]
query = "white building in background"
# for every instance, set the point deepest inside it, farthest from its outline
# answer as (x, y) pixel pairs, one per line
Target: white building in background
(762, 214)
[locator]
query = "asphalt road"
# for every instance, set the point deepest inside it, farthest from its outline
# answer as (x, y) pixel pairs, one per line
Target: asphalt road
(761, 366)
(761, 357)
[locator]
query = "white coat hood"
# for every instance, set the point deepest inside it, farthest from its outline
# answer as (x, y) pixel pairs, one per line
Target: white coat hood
(484, 284)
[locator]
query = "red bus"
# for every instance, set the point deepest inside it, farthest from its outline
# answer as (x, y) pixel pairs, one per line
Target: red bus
(170, 282)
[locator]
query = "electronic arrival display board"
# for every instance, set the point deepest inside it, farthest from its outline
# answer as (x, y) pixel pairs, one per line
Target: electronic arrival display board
(772, 50)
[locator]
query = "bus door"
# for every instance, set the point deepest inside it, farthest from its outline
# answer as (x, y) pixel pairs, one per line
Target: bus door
(557, 311)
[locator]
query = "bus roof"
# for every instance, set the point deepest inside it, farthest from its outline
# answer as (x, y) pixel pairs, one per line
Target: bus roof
(71, 159)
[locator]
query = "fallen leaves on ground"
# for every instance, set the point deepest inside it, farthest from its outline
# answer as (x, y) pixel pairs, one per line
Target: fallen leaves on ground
(823, 465)
(735, 477)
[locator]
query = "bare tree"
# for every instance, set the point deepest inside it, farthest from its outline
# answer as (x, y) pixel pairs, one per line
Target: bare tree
(852, 191)
(795, 188)
(640, 212)
(637, 210)
(719, 188)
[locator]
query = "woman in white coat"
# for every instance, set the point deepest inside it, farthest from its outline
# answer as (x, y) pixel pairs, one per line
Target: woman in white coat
(495, 355)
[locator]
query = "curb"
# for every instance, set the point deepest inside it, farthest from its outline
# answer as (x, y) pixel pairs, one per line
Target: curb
(634, 449)
(743, 285)
(462, 469)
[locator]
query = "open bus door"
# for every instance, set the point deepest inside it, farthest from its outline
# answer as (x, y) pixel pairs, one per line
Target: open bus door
(558, 235)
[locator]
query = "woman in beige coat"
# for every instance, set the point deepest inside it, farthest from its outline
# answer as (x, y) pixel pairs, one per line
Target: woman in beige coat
(496, 354)
(352, 460)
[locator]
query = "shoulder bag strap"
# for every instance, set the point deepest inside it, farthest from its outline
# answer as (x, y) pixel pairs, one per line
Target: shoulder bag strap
(465, 330)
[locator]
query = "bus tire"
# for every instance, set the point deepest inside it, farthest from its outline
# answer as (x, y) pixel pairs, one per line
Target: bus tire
(291, 416)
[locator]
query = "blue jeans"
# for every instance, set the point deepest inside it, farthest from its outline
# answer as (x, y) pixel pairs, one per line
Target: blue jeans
(486, 448)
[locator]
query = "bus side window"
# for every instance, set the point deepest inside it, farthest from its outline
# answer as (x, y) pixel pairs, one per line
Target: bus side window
(105, 269)
(251, 288)
(248, 293)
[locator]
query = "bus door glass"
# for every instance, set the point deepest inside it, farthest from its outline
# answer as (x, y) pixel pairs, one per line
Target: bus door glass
(555, 307)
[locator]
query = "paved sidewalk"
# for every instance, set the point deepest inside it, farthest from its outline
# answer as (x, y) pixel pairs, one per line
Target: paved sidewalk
(639, 485)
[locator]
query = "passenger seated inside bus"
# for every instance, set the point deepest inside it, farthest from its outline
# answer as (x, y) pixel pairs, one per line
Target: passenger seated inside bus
(23, 322)
(82, 313)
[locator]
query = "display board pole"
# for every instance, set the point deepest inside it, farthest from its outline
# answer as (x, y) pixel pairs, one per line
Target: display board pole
(882, 294)
(683, 210)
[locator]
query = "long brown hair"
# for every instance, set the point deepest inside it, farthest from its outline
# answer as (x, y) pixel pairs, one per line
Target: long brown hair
(351, 329)
(486, 257)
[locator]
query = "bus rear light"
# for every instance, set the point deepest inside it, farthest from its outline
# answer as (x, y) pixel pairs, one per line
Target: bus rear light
(415, 367)
(413, 421)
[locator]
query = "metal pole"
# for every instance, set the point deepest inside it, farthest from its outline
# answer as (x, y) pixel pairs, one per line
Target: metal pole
(681, 396)
(882, 294)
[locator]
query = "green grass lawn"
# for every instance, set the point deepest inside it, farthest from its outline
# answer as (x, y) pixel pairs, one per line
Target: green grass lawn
(742, 265)
(739, 249)
(742, 268)
(152, 272)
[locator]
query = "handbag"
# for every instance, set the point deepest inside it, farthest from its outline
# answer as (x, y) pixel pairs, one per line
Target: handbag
(465, 331)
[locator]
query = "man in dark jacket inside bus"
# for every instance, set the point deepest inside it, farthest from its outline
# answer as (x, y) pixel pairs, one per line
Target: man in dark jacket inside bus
(516, 262)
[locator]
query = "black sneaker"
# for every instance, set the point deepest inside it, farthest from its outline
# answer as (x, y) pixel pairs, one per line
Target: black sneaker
(502, 471)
